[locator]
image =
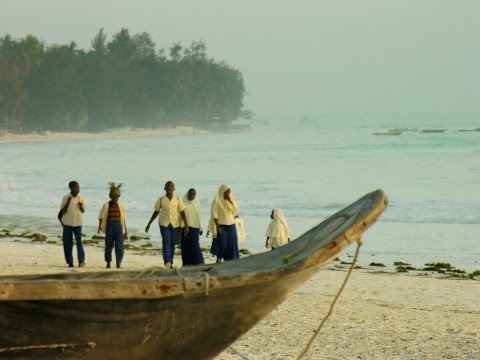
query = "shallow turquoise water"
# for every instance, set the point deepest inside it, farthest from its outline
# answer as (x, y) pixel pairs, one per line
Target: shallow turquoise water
(431, 181)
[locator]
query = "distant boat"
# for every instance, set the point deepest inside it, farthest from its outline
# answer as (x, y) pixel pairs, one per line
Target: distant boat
(389, 132)
(404, 129)
(465, 130)
(431, 131)
(189, 313)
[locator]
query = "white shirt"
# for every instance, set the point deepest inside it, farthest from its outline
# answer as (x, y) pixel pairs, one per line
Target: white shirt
(73, 216)
(169, 210)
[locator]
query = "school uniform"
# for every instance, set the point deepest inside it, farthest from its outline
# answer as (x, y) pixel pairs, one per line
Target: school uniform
(278, 231)
(226, 244)
(72, 221)
(191, 252)
(169, 222)
(113, 225)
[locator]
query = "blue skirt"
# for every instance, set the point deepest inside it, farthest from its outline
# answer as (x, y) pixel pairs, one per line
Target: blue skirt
(226, 245)
(191, 252)
(213, 248)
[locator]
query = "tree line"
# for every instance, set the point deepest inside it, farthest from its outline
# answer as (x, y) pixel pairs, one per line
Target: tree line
(117, 83)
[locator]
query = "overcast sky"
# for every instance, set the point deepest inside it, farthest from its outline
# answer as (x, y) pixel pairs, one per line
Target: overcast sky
(302, 56)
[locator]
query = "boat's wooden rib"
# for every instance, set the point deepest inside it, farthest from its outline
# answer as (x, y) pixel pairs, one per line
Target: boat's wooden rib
(190, 313)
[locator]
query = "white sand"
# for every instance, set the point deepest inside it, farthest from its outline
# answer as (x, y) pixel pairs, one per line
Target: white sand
(40, 258)
(378, 316)
(49, 136)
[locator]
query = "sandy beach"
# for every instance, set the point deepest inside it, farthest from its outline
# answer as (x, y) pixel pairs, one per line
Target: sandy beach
(379, 315)
(123, 133)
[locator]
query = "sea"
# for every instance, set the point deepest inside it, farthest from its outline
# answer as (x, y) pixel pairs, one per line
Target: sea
(310, 171)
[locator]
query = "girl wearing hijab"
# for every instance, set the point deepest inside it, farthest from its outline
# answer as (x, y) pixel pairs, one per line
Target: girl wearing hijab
(111, 221)
(191, 253)
(223, 211)
(278, 232)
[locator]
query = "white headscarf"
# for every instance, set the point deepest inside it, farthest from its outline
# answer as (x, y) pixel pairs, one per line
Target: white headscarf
(278, 226)
(195, 203)
(219, 200)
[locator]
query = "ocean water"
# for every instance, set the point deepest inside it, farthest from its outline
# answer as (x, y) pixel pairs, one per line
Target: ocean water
(432, 181)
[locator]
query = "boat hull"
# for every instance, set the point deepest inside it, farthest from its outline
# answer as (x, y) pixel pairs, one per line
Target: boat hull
(139, 329)
(190, 313)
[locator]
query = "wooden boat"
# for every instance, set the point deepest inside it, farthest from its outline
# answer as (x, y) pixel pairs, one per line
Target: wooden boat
(405, 129)
(389, 132)
(189, 313)
(431, 131)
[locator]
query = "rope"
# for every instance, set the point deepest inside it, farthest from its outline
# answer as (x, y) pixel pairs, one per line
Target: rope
(244, 357)
(207, 283)
(317, 331)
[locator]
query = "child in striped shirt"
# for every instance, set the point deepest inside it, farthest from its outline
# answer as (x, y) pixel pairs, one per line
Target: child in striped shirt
(111, 221)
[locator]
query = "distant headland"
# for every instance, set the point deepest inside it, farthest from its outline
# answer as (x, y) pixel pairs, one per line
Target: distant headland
(124, 82)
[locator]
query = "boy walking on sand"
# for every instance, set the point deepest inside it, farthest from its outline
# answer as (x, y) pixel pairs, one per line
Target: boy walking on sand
(171, 208)
(71, 217)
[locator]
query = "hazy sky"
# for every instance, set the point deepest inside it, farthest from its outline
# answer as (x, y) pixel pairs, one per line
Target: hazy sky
(302, 56)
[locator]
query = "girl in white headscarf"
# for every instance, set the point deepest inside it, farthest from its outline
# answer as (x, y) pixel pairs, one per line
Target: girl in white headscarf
(278, 232)
(223, 211)
(191, 252)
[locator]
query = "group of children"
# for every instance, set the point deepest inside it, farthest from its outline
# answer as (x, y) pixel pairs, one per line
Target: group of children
(178, 218)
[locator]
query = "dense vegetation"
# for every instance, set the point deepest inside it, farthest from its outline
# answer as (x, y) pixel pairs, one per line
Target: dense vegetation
(124, 82)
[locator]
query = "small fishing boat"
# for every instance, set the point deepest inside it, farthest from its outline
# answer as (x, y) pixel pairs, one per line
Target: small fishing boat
(405, 129)
(431, 131)
(189, 313)
(389, 132)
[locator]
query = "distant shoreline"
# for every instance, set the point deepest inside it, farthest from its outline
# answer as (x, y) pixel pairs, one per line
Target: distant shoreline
(18, 225)
(122, 133)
